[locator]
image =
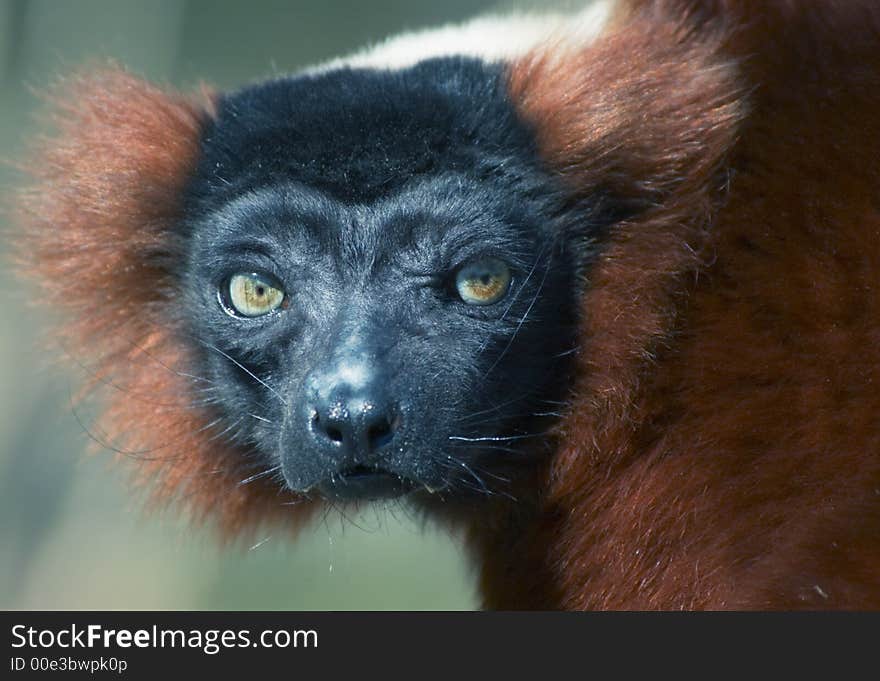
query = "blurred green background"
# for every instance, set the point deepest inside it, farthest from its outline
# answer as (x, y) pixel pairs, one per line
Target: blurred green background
(70, 534)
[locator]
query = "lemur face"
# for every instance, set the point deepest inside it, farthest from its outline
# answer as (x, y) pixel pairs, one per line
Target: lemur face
(371, 277)
(377, 281)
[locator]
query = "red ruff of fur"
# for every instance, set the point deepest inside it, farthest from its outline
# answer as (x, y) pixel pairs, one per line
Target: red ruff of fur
(722, 446)
(107, 191)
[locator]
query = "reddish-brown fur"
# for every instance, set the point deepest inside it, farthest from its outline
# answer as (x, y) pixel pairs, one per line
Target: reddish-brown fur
(107, 188)
(722, 445)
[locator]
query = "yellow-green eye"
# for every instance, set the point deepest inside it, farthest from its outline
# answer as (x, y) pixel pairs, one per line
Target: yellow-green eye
(483, 282)
(251, 295)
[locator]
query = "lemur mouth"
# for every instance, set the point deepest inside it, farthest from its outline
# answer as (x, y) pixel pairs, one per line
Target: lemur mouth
(365, 483)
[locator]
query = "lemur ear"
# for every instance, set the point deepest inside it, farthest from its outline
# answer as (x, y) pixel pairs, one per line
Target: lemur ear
(99, 237)
(105, 197)
(647, 113)
(647, 110)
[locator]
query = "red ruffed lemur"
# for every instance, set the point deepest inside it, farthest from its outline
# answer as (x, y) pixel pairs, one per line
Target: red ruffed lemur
(602, 290)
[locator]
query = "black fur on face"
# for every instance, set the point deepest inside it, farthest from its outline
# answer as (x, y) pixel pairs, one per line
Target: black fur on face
(361, 195)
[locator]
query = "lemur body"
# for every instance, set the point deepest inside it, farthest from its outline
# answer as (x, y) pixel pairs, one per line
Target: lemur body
(599, 289)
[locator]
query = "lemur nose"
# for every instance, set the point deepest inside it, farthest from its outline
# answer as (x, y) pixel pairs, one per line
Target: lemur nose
(354, 417)
(359, 427)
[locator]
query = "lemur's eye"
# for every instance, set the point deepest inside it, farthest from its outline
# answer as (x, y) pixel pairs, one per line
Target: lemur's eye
(253, 295)
(483, 282)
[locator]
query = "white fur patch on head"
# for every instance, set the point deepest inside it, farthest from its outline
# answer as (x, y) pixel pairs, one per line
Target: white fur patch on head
(491, 38)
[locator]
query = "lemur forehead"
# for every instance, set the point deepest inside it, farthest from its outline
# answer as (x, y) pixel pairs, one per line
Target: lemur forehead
(428, 209)
(362, 134)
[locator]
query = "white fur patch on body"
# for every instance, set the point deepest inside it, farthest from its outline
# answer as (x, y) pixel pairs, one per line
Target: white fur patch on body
(494, 38)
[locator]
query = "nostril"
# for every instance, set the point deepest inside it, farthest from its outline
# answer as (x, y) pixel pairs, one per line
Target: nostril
(380, 433)
(320, 425)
